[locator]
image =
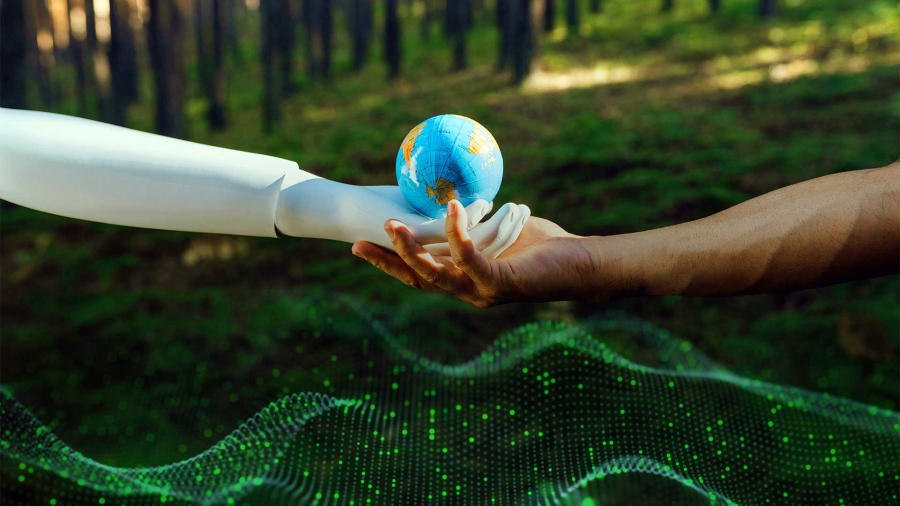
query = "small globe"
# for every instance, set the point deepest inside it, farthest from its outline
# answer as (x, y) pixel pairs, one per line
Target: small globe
(448, 157)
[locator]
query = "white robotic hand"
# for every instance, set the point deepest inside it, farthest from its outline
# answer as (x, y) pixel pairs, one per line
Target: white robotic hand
(491, 237)
(328, 210)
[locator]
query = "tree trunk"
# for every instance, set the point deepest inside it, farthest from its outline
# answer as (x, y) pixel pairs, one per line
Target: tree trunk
(272, 90)
(767, 8)
(216, 113)
(392, 50)
(714, 6)
(113, 110)
(122, 63)
(458, 21)
(549, 15)
(327, 24)
(504, 11)
(165, 35)
(229, 32)
(286, 40)
(200, 22)
(44, 27)
(667, 5)
(361, 26)
(319, 22)
(77, 45)
(13, 53)
(596, 6)
(522, 40)
(572, 16)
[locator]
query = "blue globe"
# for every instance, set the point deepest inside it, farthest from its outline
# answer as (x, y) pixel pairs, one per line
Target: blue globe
(448, 157)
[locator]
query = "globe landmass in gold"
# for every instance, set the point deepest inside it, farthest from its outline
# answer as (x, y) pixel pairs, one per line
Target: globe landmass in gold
(443, 191)
(410, 141)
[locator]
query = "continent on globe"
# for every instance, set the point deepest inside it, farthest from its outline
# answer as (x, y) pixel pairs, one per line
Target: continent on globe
(443, 192)
(448, 157)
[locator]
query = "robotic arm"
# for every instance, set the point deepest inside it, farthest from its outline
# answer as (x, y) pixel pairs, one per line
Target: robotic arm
(94, 171)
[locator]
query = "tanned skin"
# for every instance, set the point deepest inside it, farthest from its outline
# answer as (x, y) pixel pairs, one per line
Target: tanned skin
(827, 230)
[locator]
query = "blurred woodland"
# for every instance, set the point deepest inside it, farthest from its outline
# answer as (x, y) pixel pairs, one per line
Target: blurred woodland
(103, 41)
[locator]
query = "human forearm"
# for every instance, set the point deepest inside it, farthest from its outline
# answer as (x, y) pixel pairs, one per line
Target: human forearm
(827, 230)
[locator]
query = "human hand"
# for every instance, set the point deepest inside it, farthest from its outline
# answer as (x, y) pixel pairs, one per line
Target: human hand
(544, 263)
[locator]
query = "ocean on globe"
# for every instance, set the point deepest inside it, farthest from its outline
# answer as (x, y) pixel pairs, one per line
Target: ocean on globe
(448, 157)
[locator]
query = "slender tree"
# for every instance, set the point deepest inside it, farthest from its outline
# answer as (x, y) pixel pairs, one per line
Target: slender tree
(459, 21)
(114, 103)
(229, 32)
(392, 52)
(44, 28)
(201, 21)
(714, 5)
(13, 54)
(361, 28)
(215, 115)
(521, 38)
(319, 21)
(209, 22)
(767, 8)
(596, 6)
(122, 64)
(165, 41)
(504, 25)
(572, 16)
(90, 44)
(549, 15)
(270, 10)
(286, 40)
(667, 5)
(79, 58)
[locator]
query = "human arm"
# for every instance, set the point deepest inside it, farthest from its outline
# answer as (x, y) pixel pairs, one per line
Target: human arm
(94, 171)
(827, 230)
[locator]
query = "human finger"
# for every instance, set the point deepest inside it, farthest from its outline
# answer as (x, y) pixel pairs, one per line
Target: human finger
(419, 259)
(389, 263)
(463, 251)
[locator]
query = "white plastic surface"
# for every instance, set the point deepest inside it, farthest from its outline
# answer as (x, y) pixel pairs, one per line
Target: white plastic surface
(94, 171)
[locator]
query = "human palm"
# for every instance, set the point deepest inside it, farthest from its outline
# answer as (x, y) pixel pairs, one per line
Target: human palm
(541, 264)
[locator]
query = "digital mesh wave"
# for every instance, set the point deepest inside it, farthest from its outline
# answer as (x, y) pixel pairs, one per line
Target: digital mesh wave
(547, 410)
